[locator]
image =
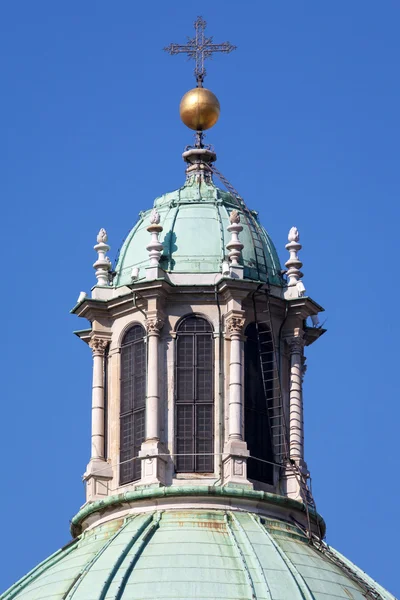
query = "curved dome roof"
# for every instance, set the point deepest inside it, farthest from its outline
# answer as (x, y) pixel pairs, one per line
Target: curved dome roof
(192, 553)
(195, 219)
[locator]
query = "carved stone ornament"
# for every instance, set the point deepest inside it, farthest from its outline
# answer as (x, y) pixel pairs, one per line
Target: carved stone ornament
(154, 325)
(296, 344)
(155, 217)
(294, 235)
(98, 345)
(235, 325)
(102, 236)
(234, 217)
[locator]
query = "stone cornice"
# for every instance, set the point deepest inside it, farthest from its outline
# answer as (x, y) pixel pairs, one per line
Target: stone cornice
(233, 496)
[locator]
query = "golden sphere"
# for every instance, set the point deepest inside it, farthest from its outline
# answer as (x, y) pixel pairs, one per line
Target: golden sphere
(199, 109)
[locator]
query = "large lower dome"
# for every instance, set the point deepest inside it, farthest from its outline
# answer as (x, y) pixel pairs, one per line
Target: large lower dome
(195, 220)
(193, 553)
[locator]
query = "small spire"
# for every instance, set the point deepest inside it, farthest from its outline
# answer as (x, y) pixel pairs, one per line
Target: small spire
(294, 264)
(155, 247)
(103, 263)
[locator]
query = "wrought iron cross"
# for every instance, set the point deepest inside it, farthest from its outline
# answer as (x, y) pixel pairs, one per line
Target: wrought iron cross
(199, 48)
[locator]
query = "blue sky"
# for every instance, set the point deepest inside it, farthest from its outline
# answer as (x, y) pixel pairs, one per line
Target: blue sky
(309, 135)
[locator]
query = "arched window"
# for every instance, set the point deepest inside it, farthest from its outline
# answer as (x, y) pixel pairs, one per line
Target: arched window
(257, 430)
(133, 402)
(194, 397)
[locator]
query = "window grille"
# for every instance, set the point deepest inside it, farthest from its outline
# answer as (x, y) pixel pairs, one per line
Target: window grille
(256, 421)
(194, 395)
(133, 402)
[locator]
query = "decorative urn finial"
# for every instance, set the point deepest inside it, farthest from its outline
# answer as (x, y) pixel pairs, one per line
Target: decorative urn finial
(294, 264)
(103, 263)
(235, 246)
(155, 247)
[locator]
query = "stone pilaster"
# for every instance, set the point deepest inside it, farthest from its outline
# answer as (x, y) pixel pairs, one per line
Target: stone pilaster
(235, 451)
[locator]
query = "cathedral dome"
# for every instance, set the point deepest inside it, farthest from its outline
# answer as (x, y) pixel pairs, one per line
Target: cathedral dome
(194, 553)
(195, 219)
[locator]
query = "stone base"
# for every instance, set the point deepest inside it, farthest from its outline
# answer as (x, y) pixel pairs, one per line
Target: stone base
(97, 477)
(235, 464)
(236, 272)
(290, 482)
(154, 273)
(153, 465)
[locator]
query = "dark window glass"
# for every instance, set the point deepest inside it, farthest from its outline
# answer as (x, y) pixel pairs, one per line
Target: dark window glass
(256, 419)
(133, 402)
(194, 411)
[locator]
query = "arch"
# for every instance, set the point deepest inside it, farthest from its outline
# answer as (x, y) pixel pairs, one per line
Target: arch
(194, 396)
(133, 402)
(121, 338)
(257, 431)
(180, 324)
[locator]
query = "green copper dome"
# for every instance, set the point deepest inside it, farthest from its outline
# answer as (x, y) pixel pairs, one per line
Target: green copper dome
(195, 220)
(193, 553)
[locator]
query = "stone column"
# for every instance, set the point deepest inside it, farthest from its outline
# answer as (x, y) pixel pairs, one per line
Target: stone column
(152, 451)
(98, 472)
(236, 400)
(98, 346)
(296, 424)
(235, 451)
(154, 325)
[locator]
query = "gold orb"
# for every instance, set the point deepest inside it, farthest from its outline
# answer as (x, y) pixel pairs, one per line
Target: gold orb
(199, 109)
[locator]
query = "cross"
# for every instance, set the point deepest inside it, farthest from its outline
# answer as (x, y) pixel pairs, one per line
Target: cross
(199, 48)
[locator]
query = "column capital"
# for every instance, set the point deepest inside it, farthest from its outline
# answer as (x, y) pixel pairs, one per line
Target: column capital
(98, 345)
(296, 342)
(234, 324)
(154, 325)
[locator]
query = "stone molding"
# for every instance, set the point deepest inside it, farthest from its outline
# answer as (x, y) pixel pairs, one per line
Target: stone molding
(238, 497)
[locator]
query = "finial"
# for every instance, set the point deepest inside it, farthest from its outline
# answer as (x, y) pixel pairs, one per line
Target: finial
(294, 264)
(235, 246)
(155, 247)
(293, 235)
(234, 217)
(102, 236)
(103, 263)
(155, 217)
(199, 48)
(199, 108)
